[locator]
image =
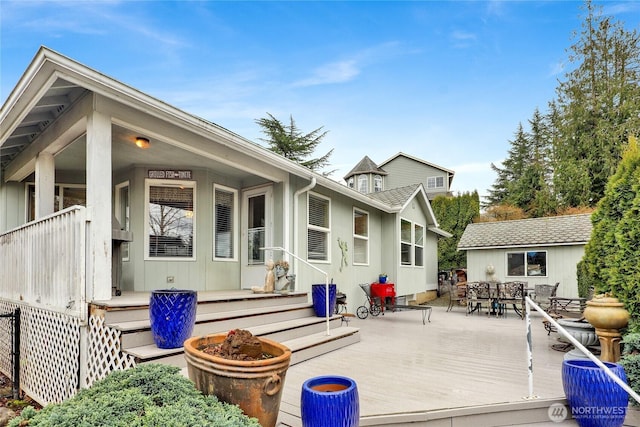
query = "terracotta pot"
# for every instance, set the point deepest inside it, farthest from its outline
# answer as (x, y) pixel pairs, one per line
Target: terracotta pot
(255, 386)
(606, 313)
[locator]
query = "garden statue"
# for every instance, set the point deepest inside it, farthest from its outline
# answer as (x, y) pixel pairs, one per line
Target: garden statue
(269, 280)
(281, 269)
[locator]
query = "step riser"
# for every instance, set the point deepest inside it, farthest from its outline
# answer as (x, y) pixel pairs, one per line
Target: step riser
(204, 307)
(302, 331)
(145, 337)
(317, 350)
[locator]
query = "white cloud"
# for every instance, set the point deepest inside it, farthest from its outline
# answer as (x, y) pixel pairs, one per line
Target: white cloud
(336, 72)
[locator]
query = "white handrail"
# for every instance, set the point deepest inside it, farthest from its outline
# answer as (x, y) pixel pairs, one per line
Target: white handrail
(573, 341)
(326, 279)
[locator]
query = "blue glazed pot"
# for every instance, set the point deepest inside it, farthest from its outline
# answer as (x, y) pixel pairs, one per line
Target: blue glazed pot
(318, 296)
(330, 401)
(595, 399)
(172, 313)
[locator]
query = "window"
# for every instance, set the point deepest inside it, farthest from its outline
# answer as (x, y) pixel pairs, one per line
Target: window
(363, 184)
(360, 237)
(405, 242)
(418, 233)
(350, 182)
(318, 228)
(377, 183)
(122, 208)
(411, 243)
(225, 201)
(66, 195)
(170, 221)
(528, 264)
(435, 182)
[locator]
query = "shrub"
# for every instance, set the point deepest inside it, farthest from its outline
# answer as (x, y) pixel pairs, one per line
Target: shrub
(149, 395)
(630, 360)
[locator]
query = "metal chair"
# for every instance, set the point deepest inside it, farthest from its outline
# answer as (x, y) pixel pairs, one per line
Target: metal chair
(512, 294)
(478, 294)
(456, 296)
(542, 293)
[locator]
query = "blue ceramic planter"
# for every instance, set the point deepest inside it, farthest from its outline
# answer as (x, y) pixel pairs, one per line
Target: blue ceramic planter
(172, 313)
(318, 296)
(330, 401)
(595, 399)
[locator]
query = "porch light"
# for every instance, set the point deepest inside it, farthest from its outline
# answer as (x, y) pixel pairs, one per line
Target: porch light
(142, 142)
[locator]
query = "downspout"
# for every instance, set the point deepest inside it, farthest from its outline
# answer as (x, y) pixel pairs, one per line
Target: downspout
(296, 209)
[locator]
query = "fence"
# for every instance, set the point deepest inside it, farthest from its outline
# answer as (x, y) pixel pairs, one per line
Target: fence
(10, 338)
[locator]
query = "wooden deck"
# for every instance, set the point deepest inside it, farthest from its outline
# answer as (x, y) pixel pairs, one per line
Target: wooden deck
(404, 368)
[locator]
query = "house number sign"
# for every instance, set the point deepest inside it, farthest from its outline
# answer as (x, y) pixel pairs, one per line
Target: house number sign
(169, 174)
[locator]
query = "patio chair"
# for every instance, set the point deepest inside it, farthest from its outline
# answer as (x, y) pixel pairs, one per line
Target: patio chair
(512, 294)
(478, 294)
(457, 296)
(541, 294)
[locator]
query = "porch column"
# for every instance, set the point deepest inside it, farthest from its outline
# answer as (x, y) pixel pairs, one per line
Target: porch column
(99, 206)
(45, 184)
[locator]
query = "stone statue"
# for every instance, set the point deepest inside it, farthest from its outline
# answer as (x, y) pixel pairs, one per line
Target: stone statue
(269, 280)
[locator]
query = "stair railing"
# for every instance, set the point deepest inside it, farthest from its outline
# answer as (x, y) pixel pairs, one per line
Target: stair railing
(326, 280)
(575, 342)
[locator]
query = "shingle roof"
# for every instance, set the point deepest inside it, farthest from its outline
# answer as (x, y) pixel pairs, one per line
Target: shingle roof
(366, 165)
(396, 196)
(548, 231)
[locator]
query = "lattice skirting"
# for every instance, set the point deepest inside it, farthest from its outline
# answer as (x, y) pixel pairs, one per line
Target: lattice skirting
(49, 353)
(104, 352)
(51, 349)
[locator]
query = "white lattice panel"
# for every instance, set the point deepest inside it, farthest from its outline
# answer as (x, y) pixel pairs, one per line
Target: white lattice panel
(50, 355)
(6, 339)
(104, 352)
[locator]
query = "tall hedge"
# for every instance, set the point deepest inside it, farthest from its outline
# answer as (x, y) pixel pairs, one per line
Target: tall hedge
(612, 255)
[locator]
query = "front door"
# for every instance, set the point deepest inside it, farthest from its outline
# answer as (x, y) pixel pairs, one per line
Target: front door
(256, 234)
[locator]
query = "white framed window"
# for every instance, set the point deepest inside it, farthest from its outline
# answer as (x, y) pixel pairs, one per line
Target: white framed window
(225, 220)
(363, 184)
(360, 237)
(318, 227)
(170, 219)
(377, 183)
(66, 195)
(350, 182)
(411, 243)
(418, 249)
(435, 182)
(527, 264)
(122, 214)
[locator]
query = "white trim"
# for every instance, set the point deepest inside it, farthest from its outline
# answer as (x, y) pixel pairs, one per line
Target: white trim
(117, 208)
(360, 237)
(235, 223)
(525, 254)
(321, 229)
(168, 183)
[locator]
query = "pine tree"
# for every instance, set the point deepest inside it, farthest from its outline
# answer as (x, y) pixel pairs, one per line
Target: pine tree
(290, 142)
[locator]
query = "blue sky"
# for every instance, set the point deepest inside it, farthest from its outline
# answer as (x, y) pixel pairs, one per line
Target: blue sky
(445, 81)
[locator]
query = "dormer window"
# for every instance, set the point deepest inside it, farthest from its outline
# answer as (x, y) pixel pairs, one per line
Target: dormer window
(350, 182)
(377, 183)
(363, 184)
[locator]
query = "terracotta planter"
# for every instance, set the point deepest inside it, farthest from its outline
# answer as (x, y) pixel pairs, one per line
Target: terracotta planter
(255, 386)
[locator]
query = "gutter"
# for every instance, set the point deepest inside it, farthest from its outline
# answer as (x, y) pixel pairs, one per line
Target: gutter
(296, 208)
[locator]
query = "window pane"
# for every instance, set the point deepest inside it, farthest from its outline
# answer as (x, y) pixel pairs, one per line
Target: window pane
(170, 222)
(318, 212)
(360, 251)
(317, 245)
(536, 263)
(360, 224)
(419, 260)
(363, 184)
(224, 214)
(377, 183)
(515, 264)
(405, 254)
(419, 235)
(74, 196)
(405, 231)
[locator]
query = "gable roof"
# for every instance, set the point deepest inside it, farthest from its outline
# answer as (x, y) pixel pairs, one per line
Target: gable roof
(547, 231)
(366, 165)
(416, 159)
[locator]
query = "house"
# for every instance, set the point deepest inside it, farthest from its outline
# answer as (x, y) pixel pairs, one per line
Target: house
(105, 189)
(398, 171)
(536, 250)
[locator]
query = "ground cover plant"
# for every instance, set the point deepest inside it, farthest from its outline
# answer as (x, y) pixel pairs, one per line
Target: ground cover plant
(149, 395)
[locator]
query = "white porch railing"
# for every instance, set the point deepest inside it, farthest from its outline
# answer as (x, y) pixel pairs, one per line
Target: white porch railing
(575, 342)
(43, 263)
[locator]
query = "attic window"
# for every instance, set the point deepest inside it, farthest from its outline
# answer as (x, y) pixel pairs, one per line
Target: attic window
(377, 183)
(363, 184)
(350, 182)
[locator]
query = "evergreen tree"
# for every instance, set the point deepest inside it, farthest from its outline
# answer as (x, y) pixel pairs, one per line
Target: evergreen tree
(453, 215)
(610, 263)
(290, 142)
(596, 108)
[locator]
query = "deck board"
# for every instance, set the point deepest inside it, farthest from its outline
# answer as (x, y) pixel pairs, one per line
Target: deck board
(456, 361)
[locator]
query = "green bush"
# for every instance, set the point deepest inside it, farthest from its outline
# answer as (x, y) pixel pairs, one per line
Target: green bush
(630, 360)
(149, 395)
